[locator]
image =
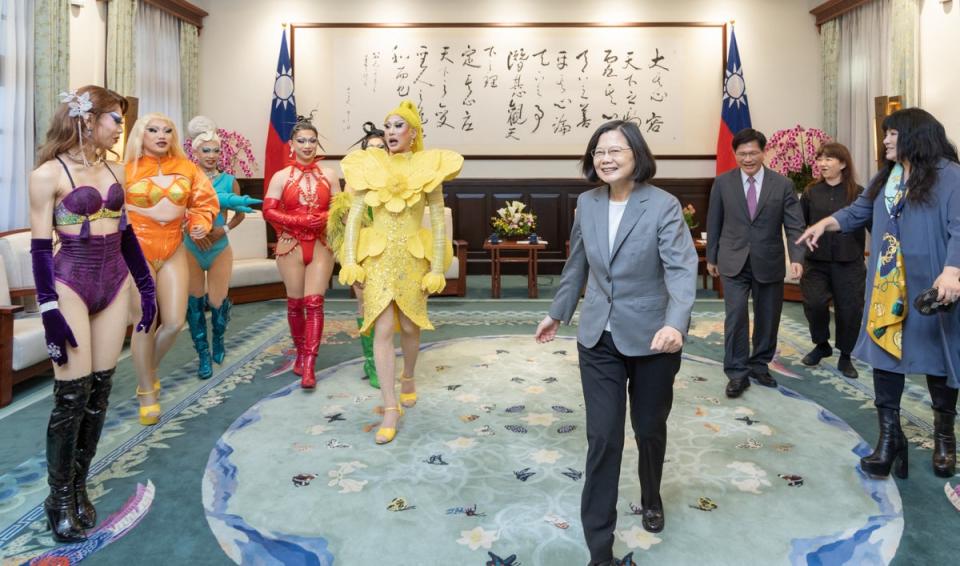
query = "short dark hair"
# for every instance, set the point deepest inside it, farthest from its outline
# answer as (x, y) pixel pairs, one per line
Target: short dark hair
(748, 135)
(644, 168)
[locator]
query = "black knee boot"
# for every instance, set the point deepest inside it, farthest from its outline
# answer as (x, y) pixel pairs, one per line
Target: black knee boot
(892, 444)
(70, 400)
(89, 436)
(944, 401)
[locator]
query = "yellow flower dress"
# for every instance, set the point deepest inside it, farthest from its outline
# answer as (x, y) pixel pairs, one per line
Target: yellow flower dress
(396, 259)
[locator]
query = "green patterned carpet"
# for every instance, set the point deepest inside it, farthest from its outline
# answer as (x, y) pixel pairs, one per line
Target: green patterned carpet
(477, 501)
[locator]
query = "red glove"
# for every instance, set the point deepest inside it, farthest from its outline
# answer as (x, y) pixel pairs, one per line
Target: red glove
(281, 219)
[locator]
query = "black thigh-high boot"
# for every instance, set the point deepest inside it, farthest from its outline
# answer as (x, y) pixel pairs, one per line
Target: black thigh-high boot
(944, 402)
(70, 401)
(87, 440)
(892, 444)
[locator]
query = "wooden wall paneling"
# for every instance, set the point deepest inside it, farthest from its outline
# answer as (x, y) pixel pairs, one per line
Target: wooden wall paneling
(474, 201)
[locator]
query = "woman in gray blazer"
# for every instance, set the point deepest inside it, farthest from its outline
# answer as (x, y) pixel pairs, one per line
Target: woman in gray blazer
(630, 246)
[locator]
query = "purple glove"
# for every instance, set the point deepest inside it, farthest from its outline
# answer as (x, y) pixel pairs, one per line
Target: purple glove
(56, 331)
(137, 264)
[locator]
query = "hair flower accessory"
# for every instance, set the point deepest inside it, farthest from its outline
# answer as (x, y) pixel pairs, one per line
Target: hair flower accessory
(79, 104)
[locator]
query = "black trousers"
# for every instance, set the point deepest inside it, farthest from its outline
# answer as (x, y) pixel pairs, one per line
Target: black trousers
(767, 306)
(888, 387)
(843, 282)
(609, 378)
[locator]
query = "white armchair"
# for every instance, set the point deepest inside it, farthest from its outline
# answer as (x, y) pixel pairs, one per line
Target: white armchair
(255, 275)
(456, 274)
(23, 353)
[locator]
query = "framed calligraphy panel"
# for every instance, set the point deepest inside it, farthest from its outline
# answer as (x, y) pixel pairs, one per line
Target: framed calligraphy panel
(515, 91)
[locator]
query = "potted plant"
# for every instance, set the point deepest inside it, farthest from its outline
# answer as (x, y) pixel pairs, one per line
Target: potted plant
(793, 153)
(236, 155)
(513, 222)
(689, 217)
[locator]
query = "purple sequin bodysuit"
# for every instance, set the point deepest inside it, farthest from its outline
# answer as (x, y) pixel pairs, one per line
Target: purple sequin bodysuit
(90, 265)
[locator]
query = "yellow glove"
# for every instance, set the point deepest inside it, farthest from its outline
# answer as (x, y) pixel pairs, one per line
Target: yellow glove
(351, 273)
(431, 283)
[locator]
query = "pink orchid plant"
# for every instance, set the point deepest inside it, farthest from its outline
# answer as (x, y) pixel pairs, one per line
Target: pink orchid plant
(793, 153)
(236, 155)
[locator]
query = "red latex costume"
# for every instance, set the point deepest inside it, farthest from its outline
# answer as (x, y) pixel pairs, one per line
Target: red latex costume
(300, 214)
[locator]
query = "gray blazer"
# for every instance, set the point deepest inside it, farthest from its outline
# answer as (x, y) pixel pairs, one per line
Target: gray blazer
(648, 282)
(732, 237)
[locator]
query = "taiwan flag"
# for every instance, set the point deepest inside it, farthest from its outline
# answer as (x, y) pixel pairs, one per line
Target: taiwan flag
(735, 113)
(283, 116)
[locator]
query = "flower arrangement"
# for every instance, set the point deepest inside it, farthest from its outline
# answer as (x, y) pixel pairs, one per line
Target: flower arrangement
(793, 153)
(236, 155)
(688, 216)
(512, 221)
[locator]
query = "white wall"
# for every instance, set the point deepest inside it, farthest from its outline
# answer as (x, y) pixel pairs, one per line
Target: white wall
(939, 52)
(778, 44)
(88, 32)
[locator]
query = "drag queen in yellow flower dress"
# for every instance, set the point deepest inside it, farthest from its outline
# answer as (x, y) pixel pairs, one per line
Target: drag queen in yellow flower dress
(396, 260)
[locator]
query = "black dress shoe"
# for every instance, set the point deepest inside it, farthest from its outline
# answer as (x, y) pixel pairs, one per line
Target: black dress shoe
(765, 379)
(736, 386)
(652, 519)
(846, 368)
(817, 354)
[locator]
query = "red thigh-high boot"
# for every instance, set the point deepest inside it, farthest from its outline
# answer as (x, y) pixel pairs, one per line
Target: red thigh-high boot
(297, 323)
(313, 304)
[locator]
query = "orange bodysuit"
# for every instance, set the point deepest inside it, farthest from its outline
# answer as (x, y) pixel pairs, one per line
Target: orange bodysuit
(190, 188)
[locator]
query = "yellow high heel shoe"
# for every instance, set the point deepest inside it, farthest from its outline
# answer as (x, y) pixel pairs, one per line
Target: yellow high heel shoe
(149, 414)
(407, 399)
(387, 434)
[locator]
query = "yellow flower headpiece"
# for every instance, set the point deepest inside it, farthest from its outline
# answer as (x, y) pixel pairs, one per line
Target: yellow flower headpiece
(408, 111)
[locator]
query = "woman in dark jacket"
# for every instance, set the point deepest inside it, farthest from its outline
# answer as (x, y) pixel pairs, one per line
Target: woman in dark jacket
(835, 269)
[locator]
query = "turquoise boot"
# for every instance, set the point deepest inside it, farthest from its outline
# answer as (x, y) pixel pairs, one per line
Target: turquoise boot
(219, 317)
(197, 319)
(368, 366)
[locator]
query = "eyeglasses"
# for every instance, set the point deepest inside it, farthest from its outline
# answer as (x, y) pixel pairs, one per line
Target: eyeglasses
(748, 154)
(210, 150)
(614, 152)
(118, 118)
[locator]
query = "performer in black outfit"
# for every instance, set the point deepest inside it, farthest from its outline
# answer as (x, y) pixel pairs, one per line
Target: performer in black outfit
(834, 270)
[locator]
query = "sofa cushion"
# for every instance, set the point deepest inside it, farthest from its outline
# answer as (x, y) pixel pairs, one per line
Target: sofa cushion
(4, 286)
(15, 252)
(28, 342)
(249, 239)
(448, 218)
(248, 272)
(453, 272)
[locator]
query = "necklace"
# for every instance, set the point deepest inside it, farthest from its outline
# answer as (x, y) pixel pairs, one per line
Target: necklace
(213, 175)
(80, 159)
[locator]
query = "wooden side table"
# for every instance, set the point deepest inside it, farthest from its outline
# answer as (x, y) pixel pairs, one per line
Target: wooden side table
(513, 249)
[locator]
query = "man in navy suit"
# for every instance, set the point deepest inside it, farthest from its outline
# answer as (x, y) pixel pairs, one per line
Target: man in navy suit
(750, 207)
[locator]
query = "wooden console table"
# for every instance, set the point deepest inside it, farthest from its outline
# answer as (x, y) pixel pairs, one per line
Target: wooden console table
(513, 248)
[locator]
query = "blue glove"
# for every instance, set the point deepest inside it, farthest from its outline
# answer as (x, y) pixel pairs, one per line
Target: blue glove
(239, 203)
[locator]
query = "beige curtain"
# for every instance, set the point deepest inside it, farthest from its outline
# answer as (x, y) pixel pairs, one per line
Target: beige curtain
(189, 70)
(121, 50)
(905, 38)
(830, 63)
(51, 59)
(16, 111)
